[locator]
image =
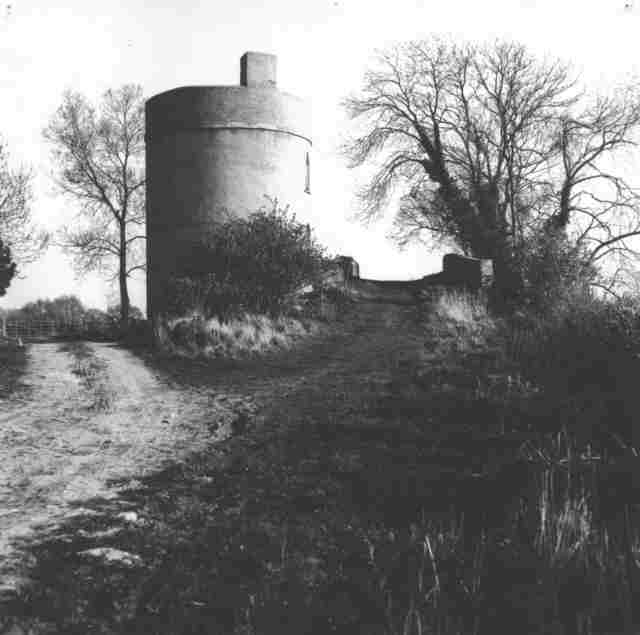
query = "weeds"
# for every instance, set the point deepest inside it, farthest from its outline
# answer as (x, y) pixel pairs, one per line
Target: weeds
(91, 372)
(563, 383)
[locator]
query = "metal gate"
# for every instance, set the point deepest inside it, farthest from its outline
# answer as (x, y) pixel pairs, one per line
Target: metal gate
(42, 330)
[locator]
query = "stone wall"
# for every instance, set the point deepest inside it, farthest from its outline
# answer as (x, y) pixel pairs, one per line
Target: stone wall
(342, 269)
(458, 272)
(463, 271)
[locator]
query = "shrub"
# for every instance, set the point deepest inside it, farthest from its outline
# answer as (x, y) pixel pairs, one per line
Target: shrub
(552, 274)
(98, 325)
(113, 313)
(246, 265)
(586, 360)
(139, 333)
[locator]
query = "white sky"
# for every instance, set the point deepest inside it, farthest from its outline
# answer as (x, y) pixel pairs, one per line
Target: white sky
(323, 48)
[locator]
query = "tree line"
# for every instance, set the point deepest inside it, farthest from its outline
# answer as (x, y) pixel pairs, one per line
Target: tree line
(67, 310)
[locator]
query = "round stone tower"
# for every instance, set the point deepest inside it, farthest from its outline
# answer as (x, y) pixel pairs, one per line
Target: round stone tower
(212, 150)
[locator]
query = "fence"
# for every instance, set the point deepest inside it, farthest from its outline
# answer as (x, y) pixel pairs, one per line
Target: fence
(48, 329)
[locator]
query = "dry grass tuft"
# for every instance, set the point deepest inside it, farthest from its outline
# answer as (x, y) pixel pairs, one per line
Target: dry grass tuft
(459, 322)
(461, 307)
(247, 335)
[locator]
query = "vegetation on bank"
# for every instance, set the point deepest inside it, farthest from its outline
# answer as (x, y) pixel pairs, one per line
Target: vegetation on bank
(249, 334)
(240, 292)
(247, 265)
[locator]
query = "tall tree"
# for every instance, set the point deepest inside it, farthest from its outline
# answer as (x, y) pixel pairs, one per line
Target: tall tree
(99, 154)
(17, 228)
(486, 145)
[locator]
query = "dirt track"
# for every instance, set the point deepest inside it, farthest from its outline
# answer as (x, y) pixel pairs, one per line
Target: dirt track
(91, 414)
(81, 421)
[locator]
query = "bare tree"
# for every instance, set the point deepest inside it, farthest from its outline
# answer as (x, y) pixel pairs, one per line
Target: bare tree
(99, 154)
(604, 204)
(17, 229)
(487, 144)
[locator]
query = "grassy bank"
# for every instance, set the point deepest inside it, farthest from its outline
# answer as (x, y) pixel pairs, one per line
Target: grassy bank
(425, 476)
(242, 336)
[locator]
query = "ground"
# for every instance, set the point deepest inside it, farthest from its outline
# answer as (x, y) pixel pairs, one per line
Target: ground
(87, 415)
(363, 483)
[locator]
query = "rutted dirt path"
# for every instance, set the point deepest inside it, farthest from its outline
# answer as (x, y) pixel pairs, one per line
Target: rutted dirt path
(92, 414)
(88, 414)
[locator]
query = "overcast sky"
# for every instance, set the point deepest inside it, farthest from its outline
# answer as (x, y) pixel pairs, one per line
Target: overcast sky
(323, 48)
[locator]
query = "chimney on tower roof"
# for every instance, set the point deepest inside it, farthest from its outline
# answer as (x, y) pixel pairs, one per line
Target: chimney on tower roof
(258, 70)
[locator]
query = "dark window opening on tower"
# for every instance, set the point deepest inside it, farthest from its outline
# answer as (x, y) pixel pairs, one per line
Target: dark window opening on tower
(307, 182)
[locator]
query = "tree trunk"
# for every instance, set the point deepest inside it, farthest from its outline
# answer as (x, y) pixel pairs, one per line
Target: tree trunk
(495, 240)
(122, 278)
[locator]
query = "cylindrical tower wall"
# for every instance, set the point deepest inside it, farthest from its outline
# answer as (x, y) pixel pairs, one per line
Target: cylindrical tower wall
(215, 150)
